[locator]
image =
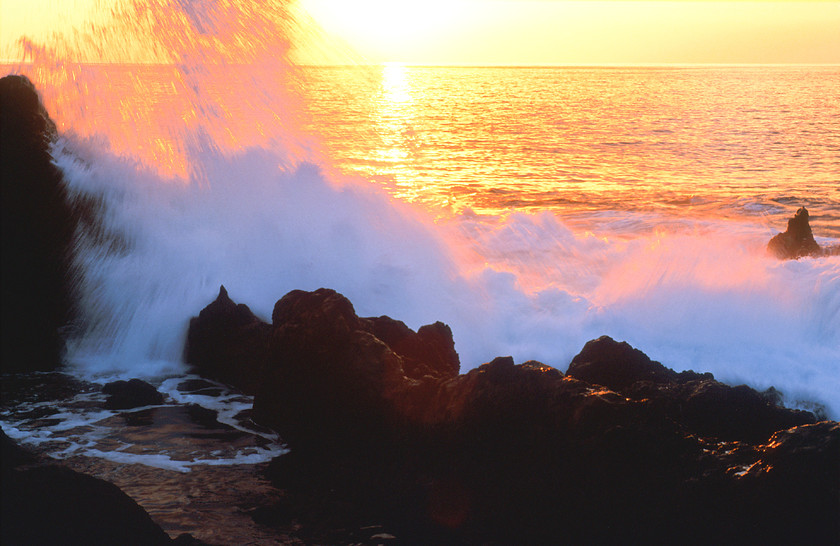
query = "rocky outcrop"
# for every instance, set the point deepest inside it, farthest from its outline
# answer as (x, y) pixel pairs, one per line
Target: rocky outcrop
(797, 240)
(697, 402)
(620, 449)
(130, 394)
(228, 343)
(37, 232)
(330, 383)
(49, 504)
(428, 352)
(615, 365)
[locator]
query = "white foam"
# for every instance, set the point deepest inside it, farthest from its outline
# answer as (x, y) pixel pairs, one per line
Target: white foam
(233, 204)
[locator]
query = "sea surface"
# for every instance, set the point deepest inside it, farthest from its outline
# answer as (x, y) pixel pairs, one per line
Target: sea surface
(531, 209)
(691, 142)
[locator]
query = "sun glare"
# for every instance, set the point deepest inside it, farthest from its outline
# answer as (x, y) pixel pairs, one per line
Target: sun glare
(388, 30)
(510, 32)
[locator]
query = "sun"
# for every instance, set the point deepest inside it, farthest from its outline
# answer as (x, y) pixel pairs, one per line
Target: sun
(387, 28)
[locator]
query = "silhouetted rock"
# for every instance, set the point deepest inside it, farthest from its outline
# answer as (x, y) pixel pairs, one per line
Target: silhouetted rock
(329, 381)
(616, 365)
(712, 409)
(49, 504)
(37, 231)
(797, 240)
(228, 343)
(620, 449)
(131, 394)
(696, 401)
(430, 351)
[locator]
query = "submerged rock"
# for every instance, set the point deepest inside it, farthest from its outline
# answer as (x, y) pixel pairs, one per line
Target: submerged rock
(797, 240)
(131, 394)
(37, 232)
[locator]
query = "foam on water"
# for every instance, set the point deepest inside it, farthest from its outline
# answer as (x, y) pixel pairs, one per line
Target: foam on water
(233, 196)
(175, 435)
(700, 295)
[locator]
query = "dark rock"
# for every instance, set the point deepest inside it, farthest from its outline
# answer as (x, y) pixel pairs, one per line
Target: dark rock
(620, 449)
(131, 394)
(616, 365)
(228, 343)
(430, 351)
(696, 401)
(49, 504)
(12, 455)
(710, 408)
(37, 233)
(329, 383)
(797, 241)
(786, 491)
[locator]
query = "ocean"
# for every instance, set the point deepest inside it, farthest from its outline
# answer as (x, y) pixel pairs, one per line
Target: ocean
(531, 209)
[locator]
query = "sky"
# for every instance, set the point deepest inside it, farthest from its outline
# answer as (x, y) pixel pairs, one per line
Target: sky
(527, 32)
(540, 32)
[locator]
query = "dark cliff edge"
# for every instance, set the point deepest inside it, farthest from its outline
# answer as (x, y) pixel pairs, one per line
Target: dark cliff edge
(382, 428)
(37, 233)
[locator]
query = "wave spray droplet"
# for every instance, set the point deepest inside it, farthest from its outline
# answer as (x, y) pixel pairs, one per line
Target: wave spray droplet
(188, 146)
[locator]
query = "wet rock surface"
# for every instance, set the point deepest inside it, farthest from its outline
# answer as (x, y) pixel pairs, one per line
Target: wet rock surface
(797, 240)
(228, 343)
(133, 393)
(620, 448)
(44, 503)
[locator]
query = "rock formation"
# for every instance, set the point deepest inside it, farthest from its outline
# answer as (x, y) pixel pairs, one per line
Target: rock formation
(45, 503)
(133, 393)
(37, 232)
(228, 343)
(618, 449)
(797, 240)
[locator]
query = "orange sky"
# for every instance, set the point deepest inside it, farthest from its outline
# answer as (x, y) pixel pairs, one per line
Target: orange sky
(584, 32)
(527, 32)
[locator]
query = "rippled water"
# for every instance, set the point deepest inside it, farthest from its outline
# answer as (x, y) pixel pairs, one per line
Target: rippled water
(690, 142)
(531, 209)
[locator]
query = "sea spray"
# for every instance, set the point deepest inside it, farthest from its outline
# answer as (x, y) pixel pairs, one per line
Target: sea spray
(199, 176)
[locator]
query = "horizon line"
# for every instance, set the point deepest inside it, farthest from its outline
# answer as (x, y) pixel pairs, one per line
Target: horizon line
(5, 62)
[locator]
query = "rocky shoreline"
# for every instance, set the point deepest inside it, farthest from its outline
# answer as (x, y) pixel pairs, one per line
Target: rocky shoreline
(390, 443)
(620, 448)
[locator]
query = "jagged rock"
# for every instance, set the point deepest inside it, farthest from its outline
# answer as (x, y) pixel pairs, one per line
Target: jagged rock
(620, 449)
(228, 343)
(37, 232)
(696, 401)
(430, 351)
(50, 504)
(616, 365)
(786, 491)
(797, 241)
(329, 381)
(710, 408)
(133, 393)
